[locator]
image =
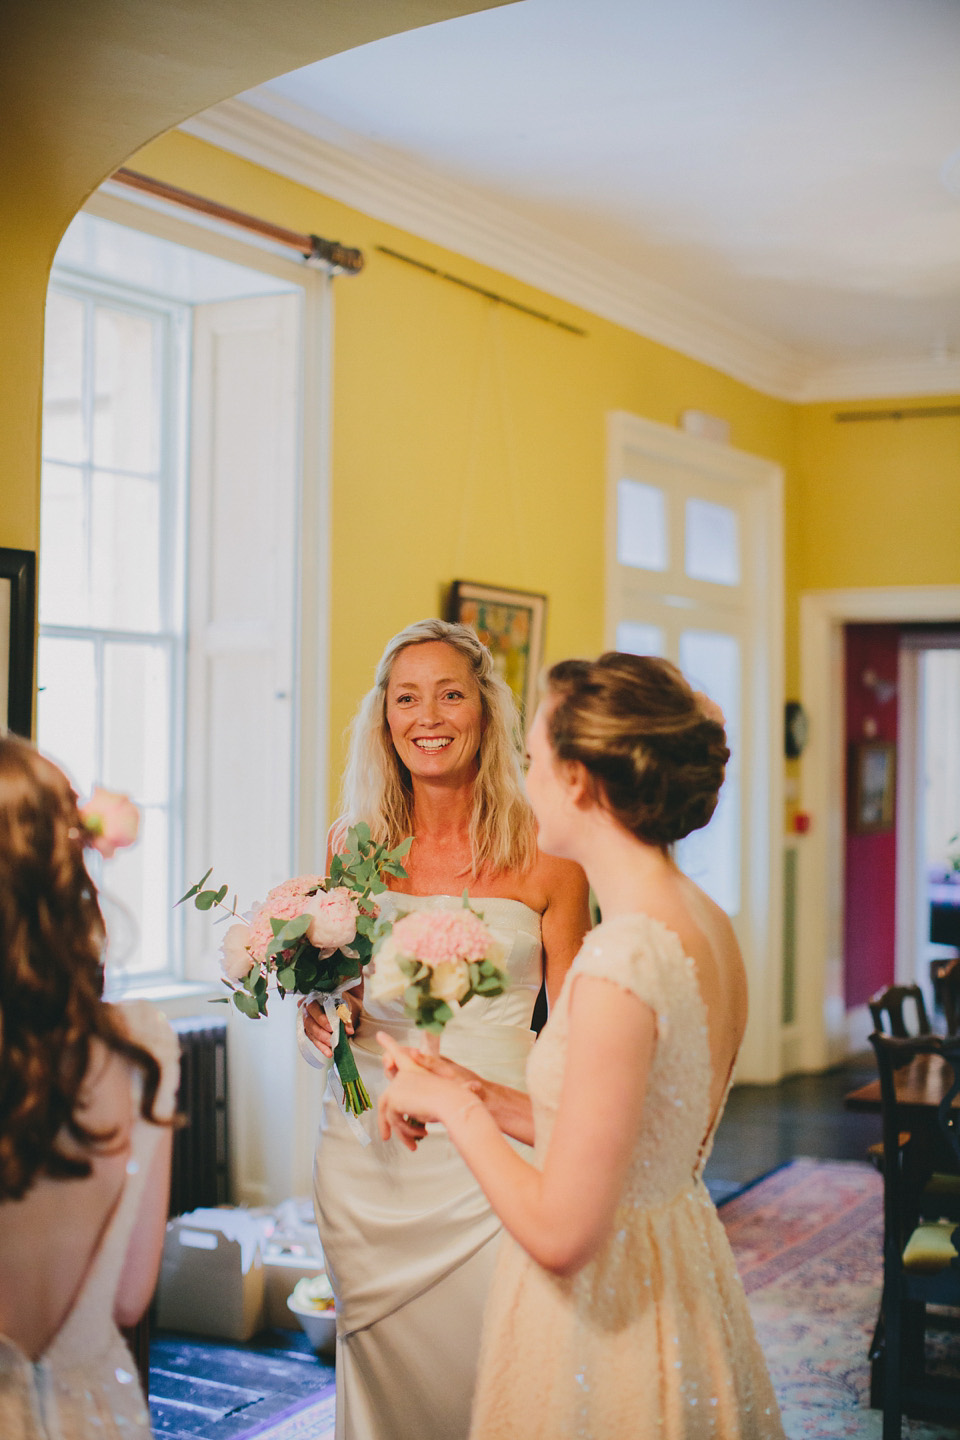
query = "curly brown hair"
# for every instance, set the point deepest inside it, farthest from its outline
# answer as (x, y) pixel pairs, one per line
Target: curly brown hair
(51, 939)
(644, 736)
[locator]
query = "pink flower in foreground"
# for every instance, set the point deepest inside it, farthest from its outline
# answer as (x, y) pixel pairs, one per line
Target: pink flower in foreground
(111, 820)
(437, 935)
(235, 956)
(334, 920)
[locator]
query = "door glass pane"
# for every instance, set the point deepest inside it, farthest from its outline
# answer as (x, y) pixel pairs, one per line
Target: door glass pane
(125, 552)
(637, 639)
(63, 437)
(64, 597)
(136, 721)
(711, 857)
(67, 707)
(641, 526)
(126, 391)
(712, 543)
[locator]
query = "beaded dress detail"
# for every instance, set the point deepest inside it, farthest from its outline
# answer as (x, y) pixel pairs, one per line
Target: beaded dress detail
(652, 1338)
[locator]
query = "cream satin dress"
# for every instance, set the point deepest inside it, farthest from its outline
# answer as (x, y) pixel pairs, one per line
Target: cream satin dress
(85, 1385)
(410, 1239)
(652, 1339)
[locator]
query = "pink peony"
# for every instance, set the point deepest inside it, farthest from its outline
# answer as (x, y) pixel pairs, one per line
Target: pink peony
(235, 956)
(334, 920)
(434, 936)
(111, 820)
(284, 902)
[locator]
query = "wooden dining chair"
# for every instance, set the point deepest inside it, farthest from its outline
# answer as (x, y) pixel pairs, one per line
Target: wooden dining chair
(945, 975)
(921, 1259)
(887, 1006)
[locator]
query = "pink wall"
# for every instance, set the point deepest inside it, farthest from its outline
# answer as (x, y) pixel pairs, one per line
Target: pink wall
(870, 875)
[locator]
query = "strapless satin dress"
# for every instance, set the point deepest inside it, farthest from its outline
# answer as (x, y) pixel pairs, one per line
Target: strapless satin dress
(410, 1239)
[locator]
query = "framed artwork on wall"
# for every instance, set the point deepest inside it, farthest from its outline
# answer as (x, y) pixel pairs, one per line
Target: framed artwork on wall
(512, 623)
(18, 606)
(873, 786)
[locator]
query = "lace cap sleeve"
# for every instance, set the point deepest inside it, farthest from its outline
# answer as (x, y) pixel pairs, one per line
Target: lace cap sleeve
(149, 1027)
(630, 951)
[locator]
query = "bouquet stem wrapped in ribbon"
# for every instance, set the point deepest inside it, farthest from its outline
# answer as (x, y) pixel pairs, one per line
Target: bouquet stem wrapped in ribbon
(312, 936)
(436, 960)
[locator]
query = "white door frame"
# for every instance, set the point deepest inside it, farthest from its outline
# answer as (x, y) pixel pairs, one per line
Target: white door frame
(821, 1012)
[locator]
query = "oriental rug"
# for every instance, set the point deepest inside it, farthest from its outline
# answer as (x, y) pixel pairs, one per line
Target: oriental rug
(808, 1243)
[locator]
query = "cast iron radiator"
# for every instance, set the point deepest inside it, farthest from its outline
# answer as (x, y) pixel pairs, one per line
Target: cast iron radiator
(200, 1159)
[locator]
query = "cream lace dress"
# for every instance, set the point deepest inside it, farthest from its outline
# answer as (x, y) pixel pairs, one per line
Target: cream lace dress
(652, 1338)
(85, 1385)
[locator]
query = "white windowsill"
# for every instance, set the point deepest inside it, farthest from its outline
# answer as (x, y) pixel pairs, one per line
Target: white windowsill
(178, 999)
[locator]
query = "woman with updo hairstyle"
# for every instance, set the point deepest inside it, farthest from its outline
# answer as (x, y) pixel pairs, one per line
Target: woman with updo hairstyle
(615, 1309)
(410, 1240)
(86, 1098)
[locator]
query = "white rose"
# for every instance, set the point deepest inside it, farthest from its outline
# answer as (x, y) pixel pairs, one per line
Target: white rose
(334, 921)
(450, 981)
(386, 980)
(235, 958)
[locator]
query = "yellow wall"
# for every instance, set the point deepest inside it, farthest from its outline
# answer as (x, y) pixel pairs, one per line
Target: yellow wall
(468, 440)
(878, 501)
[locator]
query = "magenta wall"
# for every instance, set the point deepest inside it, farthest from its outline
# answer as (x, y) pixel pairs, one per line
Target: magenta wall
(871, 860)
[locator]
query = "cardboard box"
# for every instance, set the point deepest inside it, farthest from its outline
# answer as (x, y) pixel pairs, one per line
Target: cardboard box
(212, 1275)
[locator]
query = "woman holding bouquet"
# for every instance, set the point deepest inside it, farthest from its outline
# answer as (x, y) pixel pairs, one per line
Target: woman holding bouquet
(410, 1240)
(86, 1094)
(616, 1309)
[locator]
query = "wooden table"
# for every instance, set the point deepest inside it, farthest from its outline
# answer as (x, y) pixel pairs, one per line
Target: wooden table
(920, 1086)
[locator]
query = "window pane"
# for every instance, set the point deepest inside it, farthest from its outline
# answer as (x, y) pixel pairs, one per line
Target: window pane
(63, 437)
(64, 599)
(641, 526)
(136, 721)
(712, 543)
(126, 391)
(139, 879)
(125, 552)
(637, 639)
(711, 857)
(66, 707)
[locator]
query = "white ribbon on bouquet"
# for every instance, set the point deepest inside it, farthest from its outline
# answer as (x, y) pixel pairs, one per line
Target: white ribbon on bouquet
(330, 1000)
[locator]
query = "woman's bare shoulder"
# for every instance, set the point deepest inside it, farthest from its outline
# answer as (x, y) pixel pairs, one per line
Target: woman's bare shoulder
(557, 882)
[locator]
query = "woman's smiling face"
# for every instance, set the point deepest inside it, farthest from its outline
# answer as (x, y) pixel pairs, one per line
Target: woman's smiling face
(434, 712)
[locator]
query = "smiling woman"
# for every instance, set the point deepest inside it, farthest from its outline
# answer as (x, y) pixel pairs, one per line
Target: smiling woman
(409, 1239)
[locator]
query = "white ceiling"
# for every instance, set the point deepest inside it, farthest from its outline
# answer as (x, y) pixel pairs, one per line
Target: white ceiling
(784, 174)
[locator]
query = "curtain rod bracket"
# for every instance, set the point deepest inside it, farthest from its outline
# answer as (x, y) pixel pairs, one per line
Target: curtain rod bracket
(331, 255)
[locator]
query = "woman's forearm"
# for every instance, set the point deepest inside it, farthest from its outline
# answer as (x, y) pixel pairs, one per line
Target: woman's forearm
(511, 1109)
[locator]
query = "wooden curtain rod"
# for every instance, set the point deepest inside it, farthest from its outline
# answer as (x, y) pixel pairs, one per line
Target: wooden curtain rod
(329, 253)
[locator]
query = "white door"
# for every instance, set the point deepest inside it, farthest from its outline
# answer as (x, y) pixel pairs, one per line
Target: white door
(694, 573)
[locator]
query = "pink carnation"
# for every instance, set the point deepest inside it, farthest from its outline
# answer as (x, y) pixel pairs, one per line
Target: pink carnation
(284, 902)
(111, 820)
(434, 936)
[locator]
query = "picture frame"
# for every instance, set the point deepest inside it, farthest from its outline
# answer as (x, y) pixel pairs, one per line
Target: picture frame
(873, 787)
(512, 623)
(18, 610)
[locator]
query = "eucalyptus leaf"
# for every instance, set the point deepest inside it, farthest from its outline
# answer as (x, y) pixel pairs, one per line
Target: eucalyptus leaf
(246, 1004)
(287, 978)
(205, 900)
(293, 929)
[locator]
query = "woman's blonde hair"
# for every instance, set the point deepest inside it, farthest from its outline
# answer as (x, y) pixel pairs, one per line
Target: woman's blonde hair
(377, 786)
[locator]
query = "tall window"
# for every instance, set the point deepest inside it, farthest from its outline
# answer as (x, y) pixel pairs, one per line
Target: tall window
(169, 573)
(111, 588)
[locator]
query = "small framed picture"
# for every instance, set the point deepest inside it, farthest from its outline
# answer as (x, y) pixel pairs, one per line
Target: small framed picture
(18, 608)
(873, 786)
(512, 623)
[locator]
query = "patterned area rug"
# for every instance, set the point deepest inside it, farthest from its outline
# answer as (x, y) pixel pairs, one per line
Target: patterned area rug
(808, 1244)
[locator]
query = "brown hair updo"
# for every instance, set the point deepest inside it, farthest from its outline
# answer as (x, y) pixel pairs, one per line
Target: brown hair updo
(51, 938)
(644, 736)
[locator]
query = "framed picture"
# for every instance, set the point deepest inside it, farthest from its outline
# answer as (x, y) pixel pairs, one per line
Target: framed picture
(873, 786)
(18, 605)
(513, 624)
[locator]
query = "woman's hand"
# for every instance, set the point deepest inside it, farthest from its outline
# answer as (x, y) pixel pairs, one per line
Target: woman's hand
(413, 1096)
(437, 1065)
(316, 1026)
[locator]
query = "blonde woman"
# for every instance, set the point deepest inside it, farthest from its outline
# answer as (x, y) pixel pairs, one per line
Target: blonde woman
(410, 1240)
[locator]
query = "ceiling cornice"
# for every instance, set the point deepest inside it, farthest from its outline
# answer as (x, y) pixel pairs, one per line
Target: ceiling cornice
(292, 141)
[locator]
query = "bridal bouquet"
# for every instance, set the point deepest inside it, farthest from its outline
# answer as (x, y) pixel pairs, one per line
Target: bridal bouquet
(312, 935)
(436, 960)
